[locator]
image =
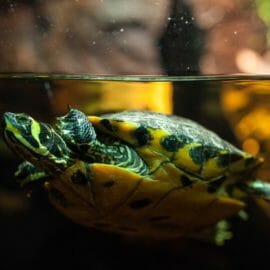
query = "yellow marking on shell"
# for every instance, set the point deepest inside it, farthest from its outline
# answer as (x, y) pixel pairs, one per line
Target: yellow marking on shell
(121, 129)
(156, 138)
(151, 157)
(168, 172)
(184, 160)
(153, 153)
(124, 131)
(94, 119)
(211, 168)
(248, 156)
(242, 165)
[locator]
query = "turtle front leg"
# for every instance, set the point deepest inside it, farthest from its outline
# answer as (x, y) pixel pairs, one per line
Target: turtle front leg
(217, 234)
(28, 173)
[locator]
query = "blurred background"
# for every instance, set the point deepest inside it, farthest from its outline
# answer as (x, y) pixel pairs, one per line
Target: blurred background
(135, 37)
(214, 56)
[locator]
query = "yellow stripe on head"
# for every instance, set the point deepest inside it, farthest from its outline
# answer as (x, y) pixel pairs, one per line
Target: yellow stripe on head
(16, 133)
(27, 136)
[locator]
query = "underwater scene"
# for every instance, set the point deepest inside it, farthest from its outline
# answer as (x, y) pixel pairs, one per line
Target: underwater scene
(134, 134)
(37, 225)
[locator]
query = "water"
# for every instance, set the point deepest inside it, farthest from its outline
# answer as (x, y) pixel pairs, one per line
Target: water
(235, 107)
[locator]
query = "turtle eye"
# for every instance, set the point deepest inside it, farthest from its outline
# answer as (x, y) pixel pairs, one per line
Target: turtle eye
(22, 121)
(22, 118)
(45, 134)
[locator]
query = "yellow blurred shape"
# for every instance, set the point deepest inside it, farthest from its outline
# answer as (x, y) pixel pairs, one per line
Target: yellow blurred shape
(95, 97)
(251, 145)
(257, 122)
(234, 100)
(242, 130)
(153, 96)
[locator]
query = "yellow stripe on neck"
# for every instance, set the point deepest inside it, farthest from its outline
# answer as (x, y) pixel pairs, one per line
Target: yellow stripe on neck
(35, 130)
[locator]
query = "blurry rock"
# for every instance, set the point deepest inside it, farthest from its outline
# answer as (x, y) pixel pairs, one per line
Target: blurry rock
(98, 37)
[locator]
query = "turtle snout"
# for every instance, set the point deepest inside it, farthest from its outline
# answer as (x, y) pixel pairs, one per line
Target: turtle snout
(8, 118)
(3, 121)
(15, 119)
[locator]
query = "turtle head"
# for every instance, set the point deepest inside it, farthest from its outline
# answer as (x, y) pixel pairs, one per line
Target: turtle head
(35, 142)
(76, 130)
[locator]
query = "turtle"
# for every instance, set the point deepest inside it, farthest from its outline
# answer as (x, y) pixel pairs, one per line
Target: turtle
(135, 173)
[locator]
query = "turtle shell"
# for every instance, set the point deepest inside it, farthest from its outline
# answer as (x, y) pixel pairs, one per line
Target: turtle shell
(120, 201)
(187, 164)
(184, 190)
(168, 142)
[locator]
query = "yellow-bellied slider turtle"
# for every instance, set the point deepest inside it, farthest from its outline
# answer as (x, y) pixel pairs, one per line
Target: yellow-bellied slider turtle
(134, 172)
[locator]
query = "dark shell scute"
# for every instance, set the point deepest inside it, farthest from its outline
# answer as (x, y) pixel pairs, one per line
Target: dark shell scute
(226, 159)
(249, 161)
(59, 197)
(200, 154)
(214, 186)
(142, 135)
(171, 143)
(106, 124)
(185, 181)
(138, 204)
(108, 184)
(79, 178)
